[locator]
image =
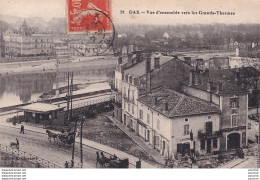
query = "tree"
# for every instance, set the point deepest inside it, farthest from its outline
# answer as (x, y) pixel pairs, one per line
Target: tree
(3, 27)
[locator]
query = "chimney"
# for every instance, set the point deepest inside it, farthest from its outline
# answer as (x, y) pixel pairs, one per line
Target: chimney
(237, 52)
(187, 60)
(166, 105)
(155, 101)
(209, 86)
(148, 64)
(138, 55)
(237, 77)
(119, 60)
(219, 87)
(156, 62)
(196, 78)
(191, 77)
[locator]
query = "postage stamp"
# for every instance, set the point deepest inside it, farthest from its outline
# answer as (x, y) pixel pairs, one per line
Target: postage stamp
(89, 16)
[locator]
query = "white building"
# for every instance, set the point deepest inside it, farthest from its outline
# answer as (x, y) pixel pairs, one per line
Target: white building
(167, 118)
(166, 35)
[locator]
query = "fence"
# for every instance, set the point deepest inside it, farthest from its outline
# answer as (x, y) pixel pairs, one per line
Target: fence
(16, 153)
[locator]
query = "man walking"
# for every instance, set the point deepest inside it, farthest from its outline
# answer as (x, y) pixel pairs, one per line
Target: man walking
(22, 129)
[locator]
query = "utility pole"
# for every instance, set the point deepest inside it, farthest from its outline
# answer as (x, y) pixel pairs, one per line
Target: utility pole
(73, 147)
(57, 75)
(71, 94)
(81, 150)
(68, 97)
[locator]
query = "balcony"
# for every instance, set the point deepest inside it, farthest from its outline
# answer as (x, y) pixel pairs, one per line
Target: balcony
(206, 135)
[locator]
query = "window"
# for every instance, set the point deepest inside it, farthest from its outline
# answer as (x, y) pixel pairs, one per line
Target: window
(157, 140)
(243, 137)
(234, 120)
(133, 109)
(215, 143)
(148, 118)
(186, 129)
(202, 144)
(209, 127)
(249, 125)
(141, 114)
(128, 107)
(158, 124)
(234, 103)
(124, 91)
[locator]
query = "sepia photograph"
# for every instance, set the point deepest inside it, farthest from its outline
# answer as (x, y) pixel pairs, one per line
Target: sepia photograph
(102, 84)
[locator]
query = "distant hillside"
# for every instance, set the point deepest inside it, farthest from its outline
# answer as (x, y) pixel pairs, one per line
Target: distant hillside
(41, 24)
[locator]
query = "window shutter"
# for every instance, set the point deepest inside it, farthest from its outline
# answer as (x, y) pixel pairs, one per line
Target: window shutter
(209, 127)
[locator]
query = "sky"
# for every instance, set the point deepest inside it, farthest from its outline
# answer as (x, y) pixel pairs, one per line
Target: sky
(246, 11)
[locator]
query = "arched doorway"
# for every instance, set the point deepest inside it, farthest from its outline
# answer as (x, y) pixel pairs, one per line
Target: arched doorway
(233, 141)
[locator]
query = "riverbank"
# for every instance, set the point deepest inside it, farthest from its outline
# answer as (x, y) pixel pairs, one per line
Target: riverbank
(70, 64)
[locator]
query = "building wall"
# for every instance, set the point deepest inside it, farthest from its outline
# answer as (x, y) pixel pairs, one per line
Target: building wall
(172, 130)
(17, 44)
(204, 95)
(227, 111)
(129, 104)
(170, 74)
(196, 123)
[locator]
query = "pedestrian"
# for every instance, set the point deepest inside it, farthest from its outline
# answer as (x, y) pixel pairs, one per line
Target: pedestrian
(17, 143)
(22, 129)
(66, 164)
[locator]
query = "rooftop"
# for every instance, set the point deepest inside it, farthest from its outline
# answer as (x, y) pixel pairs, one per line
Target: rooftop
(232, 80)
(178, 104)
(138, 69)
(40, 107)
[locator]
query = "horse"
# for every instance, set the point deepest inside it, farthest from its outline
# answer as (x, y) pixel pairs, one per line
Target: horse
(51, 135)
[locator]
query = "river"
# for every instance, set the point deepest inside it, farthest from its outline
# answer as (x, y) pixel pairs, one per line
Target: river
(27, 87)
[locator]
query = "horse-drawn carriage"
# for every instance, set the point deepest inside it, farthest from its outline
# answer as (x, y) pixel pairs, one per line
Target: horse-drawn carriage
(65, 138)
(111, 162)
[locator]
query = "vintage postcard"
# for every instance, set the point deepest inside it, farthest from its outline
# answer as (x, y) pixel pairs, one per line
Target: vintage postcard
(129, 84)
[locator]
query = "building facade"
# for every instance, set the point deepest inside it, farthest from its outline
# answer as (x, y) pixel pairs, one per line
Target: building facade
(26, 43)
(233, 104)
(173, 124)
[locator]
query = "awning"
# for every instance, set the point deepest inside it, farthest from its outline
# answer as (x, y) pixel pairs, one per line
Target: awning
(40, 107)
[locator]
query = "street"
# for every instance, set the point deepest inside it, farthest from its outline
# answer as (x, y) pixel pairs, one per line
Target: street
(251, 162)
(39, 145)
